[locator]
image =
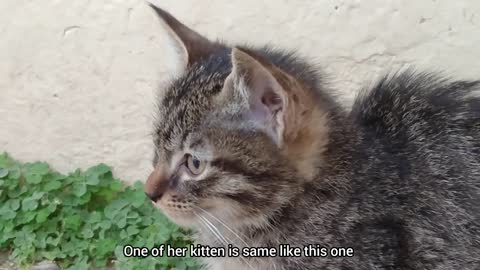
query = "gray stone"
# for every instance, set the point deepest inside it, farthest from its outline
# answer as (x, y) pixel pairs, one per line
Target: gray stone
(45, 265)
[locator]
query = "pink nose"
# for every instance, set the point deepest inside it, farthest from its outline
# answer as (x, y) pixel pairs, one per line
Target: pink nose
(157, 184)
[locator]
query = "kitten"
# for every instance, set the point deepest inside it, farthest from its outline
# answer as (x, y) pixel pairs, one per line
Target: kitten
(250, 150)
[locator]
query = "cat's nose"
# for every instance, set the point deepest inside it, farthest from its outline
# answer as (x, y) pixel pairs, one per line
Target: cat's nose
(157, 183)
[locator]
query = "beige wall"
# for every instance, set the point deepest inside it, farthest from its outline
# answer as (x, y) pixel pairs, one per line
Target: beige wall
(77, 78)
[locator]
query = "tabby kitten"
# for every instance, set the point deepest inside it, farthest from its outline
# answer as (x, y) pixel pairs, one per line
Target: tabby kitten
(250, 150)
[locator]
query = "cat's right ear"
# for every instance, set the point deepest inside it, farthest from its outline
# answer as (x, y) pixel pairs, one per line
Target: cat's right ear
(189, 44)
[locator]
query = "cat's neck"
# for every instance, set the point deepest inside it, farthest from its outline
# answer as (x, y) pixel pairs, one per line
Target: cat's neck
(331, 174)
(318, 139)
(304, 148)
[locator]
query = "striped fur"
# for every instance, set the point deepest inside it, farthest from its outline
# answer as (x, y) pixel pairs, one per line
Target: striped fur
(397, 178)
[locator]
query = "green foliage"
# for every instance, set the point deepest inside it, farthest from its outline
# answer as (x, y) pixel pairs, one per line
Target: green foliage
(81, 220)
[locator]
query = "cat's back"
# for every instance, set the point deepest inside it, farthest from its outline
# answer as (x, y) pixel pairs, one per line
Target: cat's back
(410, 98)
(421, 171)
(423, 131)
(423, 117)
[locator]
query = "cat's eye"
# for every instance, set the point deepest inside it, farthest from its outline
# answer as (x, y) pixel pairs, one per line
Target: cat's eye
(195, 165)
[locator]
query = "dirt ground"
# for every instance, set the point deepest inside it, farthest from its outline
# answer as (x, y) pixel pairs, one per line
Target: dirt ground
(5, 264)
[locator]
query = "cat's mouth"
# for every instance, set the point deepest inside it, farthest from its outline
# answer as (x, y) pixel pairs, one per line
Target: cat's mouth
(177, 209)
(190, 213)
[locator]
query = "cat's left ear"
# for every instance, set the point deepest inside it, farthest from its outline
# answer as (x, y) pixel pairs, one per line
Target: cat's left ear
(256, 84)
(191, 46)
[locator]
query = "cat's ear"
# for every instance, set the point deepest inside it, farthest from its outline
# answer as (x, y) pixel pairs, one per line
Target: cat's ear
(254, 81)
(190, 45)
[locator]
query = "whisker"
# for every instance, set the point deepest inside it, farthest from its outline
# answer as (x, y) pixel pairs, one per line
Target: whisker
(213, 229)
(223, 223)
(209, 228)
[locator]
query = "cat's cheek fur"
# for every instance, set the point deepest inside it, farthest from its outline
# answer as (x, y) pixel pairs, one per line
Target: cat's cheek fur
(177, 208)
(220, 201)
(182, 219)
(235, 214)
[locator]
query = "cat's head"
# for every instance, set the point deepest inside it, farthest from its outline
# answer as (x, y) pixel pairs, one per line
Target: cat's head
(236, 136)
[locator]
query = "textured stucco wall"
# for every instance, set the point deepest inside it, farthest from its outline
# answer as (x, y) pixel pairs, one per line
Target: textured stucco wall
(77, 78)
